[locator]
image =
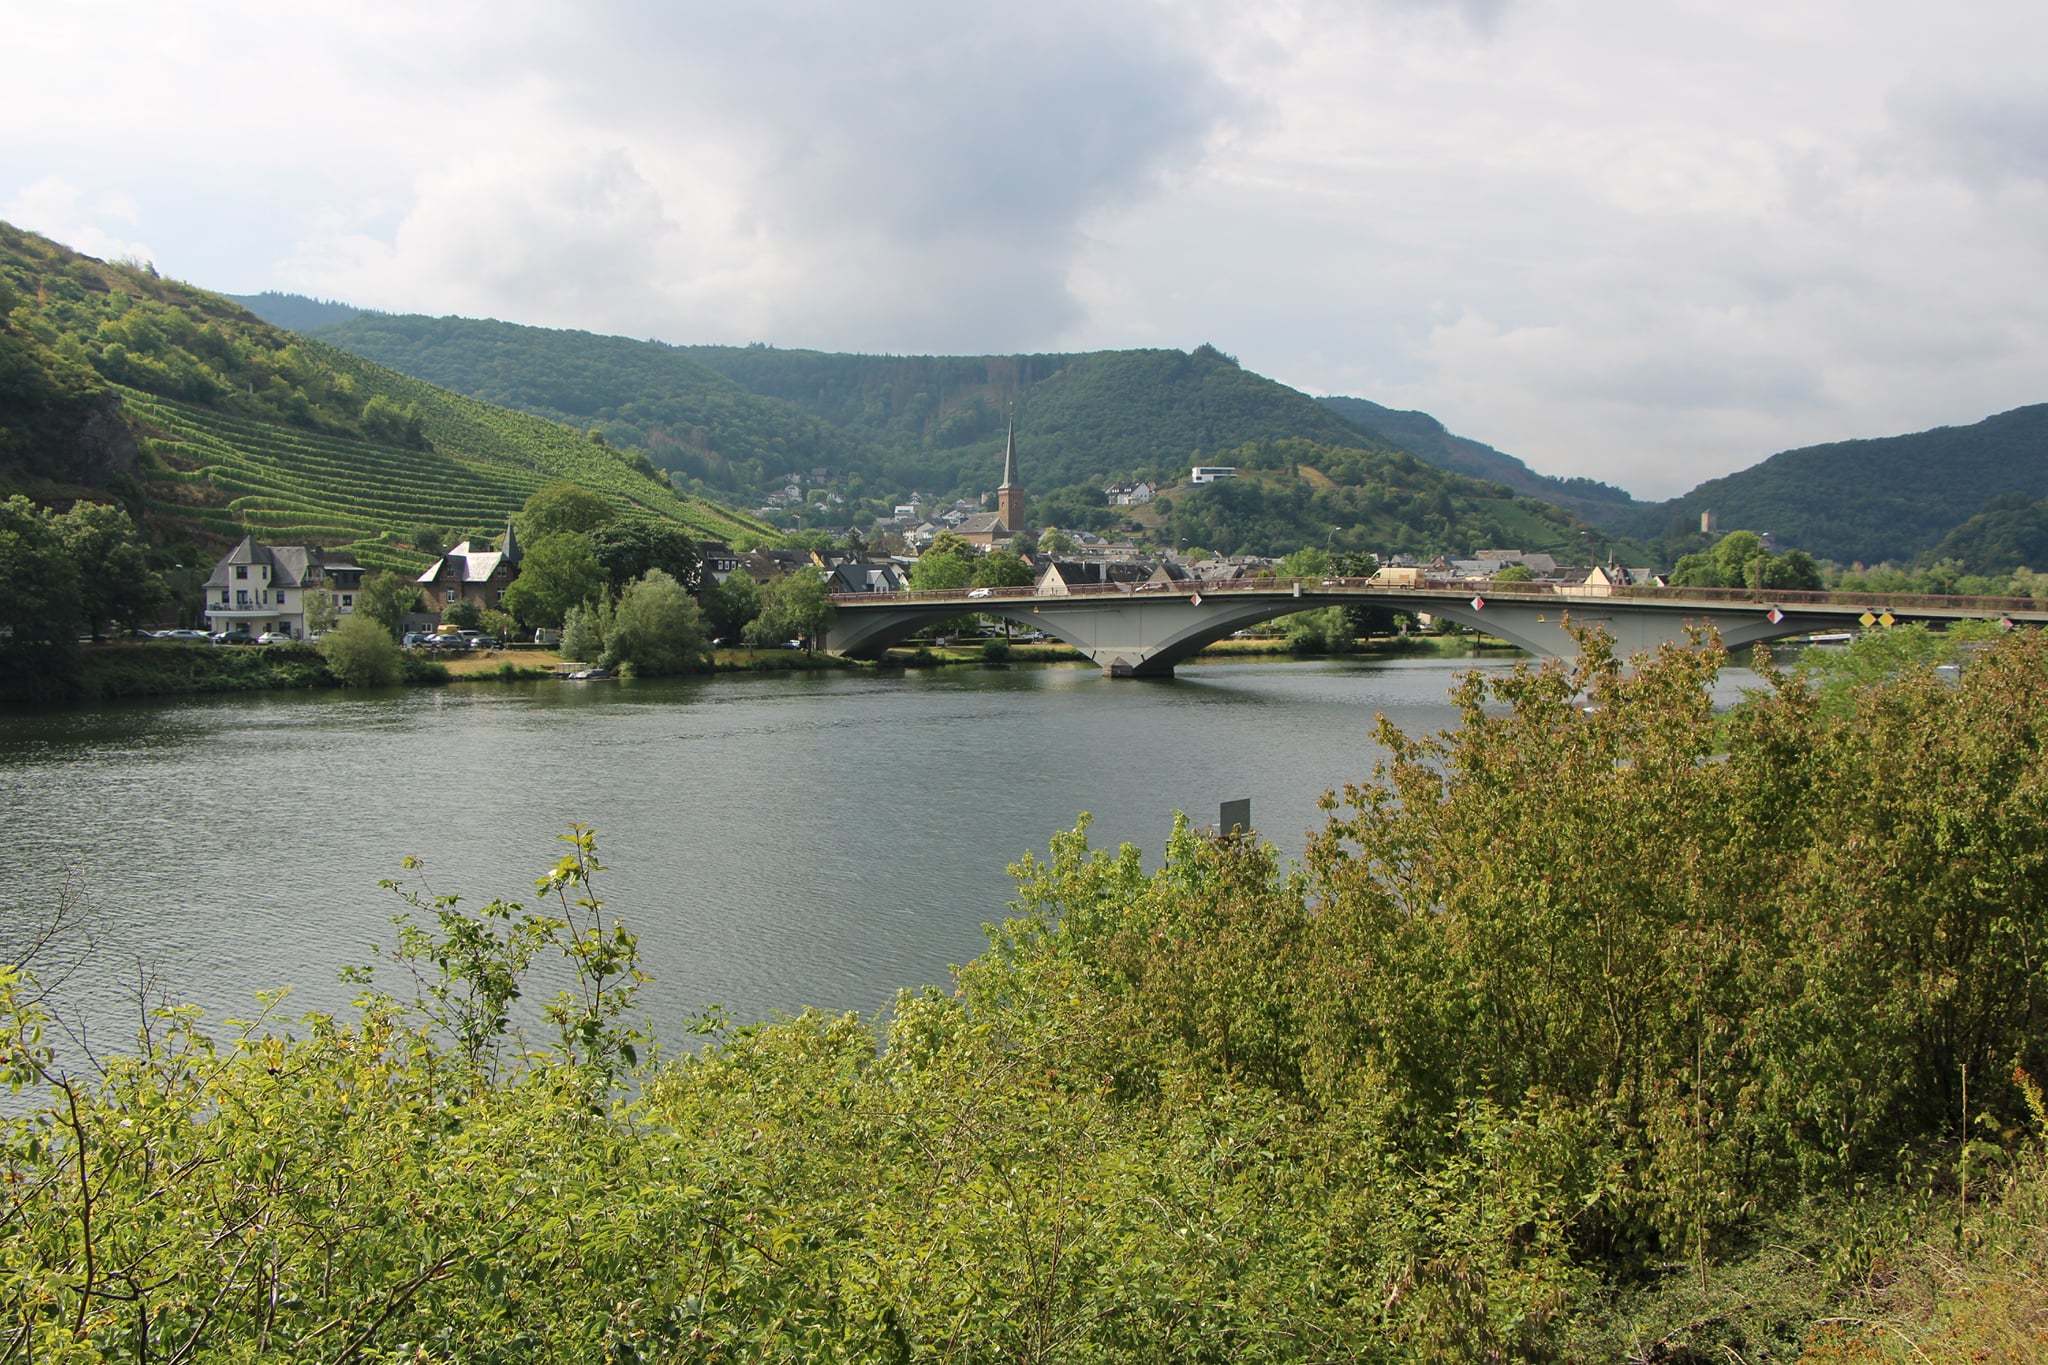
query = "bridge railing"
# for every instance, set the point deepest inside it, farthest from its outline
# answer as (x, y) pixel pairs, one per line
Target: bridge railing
(1460, 588)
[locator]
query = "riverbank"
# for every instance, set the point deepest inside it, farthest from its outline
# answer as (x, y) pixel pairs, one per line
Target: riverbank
(116, 670)
(111, 671)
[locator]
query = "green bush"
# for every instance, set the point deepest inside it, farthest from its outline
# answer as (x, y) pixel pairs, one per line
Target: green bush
(655, 629)
(361, 653)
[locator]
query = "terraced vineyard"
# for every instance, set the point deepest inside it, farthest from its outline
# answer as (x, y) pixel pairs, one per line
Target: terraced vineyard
(286, 484)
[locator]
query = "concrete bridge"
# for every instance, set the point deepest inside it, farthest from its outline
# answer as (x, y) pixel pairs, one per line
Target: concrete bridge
(1143, 630)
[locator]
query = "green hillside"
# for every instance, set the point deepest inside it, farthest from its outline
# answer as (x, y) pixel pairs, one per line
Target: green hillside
(2011, 532)
(1422, 435)
(1887, 499)
(213, 423)
(645, 394)
(1295, 493)
(739, 417)
(1083, 418)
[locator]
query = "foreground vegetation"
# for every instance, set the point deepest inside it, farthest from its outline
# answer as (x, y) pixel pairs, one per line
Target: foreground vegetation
(1608, 1030)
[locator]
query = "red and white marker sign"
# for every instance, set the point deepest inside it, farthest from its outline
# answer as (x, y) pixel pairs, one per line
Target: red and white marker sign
(1774, 616)
(1194, 599)
(2006, 623)
(1477, 602)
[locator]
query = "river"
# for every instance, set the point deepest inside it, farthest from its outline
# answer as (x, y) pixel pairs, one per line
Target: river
(777, 841)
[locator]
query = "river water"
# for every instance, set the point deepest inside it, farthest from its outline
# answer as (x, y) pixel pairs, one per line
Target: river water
(777, 841)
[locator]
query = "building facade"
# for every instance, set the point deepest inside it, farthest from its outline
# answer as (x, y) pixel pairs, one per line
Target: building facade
(262, 589)
(472, 575)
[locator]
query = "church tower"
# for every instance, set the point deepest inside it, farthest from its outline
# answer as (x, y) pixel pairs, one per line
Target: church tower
(1010, 493)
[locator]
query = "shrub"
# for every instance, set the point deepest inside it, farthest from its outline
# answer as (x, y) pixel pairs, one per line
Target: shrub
(656, 628)
(361, 653)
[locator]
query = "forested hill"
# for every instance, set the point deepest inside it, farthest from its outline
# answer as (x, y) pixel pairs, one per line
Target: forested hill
(686, 416)
(1422, 435)
(1083, 417)
(1892, 498)
(739, 418)
(1292, 493)
(2011, 532)
(296, 312)
(214, 424)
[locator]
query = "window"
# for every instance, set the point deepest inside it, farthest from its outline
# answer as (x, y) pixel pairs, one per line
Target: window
(348, 599)
(223, 596)
(280, 597)
(241, 570)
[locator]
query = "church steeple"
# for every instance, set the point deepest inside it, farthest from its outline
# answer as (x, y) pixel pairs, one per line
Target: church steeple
(1010, 493)
(512, 552)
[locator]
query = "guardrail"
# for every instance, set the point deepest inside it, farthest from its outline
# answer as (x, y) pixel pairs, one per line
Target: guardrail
(1462, 589)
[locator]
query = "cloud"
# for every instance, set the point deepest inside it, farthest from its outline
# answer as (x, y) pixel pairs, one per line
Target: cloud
(1646, 243)
(96, 222)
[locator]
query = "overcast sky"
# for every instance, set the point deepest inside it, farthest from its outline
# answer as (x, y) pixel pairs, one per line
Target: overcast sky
(1646, 242)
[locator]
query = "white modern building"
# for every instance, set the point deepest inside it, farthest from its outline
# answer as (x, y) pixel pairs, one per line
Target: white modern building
(1210, 473)
(261, 589)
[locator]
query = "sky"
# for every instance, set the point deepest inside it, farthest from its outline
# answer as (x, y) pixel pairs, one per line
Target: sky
(1646, 243)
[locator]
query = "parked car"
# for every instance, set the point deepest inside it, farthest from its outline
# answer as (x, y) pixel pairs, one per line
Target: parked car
(980, 592)
(414, 639)
(233, 637)
(274, 637)
(485, 642)
(182, 634)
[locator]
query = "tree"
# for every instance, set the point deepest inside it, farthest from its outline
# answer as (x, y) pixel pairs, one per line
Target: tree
(1792, 571)
(321, 613)
(795, 607)
(39, 604)
(1732, 556)
(362, 653)
(493, 621)
(584, 630)
(431, 540)
(562, 507)
(1001, 569)
(656, 628)
(557, 572)
(730, 605)
(386, 597)
(629, 550)
(1515, 573)
(462, 613)
(115, 582)
(1308, 562)
(943, 567)
(1055, 542)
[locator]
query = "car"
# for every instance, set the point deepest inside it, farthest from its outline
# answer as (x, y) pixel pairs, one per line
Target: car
(485, 642)
(274, 637)
(182, 633)
(414, 639)
(980, 592)
(232, 637)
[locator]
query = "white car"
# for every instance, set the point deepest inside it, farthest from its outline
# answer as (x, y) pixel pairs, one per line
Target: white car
(980, 592)
(274, 637)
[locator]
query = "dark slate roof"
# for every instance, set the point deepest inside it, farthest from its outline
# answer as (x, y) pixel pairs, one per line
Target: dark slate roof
(291, 566)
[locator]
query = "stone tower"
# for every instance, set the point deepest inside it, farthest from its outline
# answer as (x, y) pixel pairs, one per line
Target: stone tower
(1010, 493)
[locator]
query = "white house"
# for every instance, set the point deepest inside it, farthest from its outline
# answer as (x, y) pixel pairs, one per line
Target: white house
(263, 588)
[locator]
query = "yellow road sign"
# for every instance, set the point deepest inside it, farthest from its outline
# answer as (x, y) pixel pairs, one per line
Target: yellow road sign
(1867, 619)
(1887, 620)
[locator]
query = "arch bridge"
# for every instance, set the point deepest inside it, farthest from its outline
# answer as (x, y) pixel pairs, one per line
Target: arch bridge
(1143, 630)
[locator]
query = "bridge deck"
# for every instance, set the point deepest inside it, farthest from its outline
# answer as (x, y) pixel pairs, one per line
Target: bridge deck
(1920, 605)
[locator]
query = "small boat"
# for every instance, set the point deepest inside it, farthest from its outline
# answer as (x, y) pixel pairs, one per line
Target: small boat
(591, 675)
